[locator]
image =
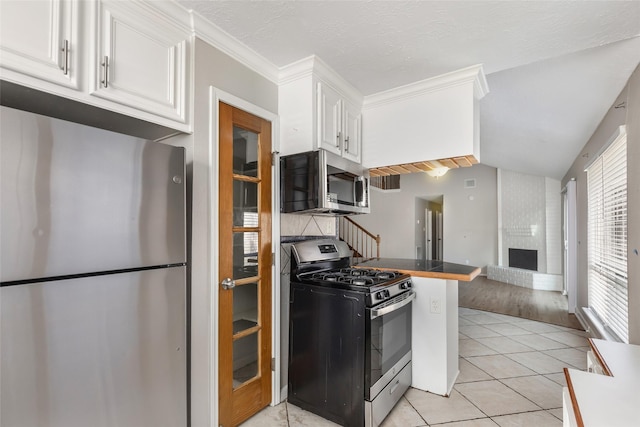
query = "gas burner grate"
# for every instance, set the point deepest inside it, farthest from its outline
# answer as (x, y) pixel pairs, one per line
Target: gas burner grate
(358, 280)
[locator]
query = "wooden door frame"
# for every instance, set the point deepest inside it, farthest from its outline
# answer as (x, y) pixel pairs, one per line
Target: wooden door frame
(215, 97)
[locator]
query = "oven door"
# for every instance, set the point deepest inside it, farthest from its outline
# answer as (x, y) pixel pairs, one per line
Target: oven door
(388, 342)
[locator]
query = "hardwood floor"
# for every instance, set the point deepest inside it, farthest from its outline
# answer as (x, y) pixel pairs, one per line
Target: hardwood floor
(497, 297)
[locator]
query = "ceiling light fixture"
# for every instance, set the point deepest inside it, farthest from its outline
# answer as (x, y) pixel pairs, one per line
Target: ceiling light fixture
(437, 172)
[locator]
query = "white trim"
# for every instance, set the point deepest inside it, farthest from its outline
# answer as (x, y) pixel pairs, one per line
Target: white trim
(296, 70)
(620, 132)
(215, 97)
(220, 39)
(169, 10)
(213, 249)
(499, 203)
(313, 65)
(473, 74)
(570, 256)
(594, 326)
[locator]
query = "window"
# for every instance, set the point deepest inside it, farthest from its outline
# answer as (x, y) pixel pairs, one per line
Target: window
(607, 236)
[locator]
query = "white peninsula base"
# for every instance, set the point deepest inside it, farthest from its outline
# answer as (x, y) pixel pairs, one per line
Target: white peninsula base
(435, 335)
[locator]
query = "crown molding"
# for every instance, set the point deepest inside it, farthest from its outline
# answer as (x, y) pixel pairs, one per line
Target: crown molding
(169, 10)
(313, 65)
(473, 74)
(297, 70)
(231, 46)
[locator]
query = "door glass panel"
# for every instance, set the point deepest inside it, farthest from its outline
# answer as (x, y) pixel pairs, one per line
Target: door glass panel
(245, 204)
(245, 254)
(245, 152)
(245, 359)
(245, 307)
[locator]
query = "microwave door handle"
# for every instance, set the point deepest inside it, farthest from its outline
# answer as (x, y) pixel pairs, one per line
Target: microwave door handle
(359, 183)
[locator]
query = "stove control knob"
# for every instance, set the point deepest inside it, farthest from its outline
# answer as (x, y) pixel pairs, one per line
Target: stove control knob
(387, 294)
(405, 285)
(379, 295)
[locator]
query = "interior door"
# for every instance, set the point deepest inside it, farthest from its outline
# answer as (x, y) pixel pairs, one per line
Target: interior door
(245, 265)
(439, 236)
(429, 234)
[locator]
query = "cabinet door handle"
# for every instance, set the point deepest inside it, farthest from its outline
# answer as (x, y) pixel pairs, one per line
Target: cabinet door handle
(105, 70)
(346, 144)
(338, 140)
(65, 57)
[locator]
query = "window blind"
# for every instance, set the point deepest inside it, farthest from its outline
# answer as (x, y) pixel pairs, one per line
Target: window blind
(607, 237)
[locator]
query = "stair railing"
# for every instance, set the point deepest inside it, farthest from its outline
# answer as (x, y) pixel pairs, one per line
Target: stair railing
(362, 242)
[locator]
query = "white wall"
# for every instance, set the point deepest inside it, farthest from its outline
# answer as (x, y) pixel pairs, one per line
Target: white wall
(470, 215)
(629, 115)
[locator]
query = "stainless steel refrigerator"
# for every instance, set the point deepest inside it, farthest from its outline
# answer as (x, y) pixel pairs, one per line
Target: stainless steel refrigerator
(93, 277)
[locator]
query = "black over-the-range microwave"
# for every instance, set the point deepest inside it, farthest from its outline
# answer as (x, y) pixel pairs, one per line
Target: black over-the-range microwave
(323, 183)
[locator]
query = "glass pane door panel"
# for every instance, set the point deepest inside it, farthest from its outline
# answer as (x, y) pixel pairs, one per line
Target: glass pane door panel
(245, 152)
(245, 359)
(245, 254)
(245, 307)
(245, 204)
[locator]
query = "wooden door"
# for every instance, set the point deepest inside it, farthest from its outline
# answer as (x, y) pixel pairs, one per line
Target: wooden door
(245, 265)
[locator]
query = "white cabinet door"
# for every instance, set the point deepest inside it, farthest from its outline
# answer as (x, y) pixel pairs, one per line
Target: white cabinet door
(330, 134)
(352, 142)
(140, 60)
(39, 39)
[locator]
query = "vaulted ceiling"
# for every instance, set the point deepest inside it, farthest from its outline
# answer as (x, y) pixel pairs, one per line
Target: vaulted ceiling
(554, 68)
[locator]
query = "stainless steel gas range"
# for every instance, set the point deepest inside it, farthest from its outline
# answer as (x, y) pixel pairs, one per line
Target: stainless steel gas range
(349, 335)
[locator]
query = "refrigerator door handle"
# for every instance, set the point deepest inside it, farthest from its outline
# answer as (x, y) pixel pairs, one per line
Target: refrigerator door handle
(228, 283)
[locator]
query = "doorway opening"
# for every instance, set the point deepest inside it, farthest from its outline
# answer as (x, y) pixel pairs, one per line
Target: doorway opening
(429, 236)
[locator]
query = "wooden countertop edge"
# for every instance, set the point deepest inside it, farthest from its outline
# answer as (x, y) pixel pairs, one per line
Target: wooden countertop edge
(432, 274)
(574, 401)
(604, 365)
(446, 276)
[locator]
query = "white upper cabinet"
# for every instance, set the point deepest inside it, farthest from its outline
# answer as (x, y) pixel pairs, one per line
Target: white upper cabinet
(432, 119)
(338, 124)
(318, 110)
(352, 131)
(140, 60)
(330, 135)
(129, 57)
(40, 40)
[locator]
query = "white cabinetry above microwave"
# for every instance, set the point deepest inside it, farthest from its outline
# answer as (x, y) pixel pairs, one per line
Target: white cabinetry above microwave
(128, 57)
(339, 124)
(319, 110)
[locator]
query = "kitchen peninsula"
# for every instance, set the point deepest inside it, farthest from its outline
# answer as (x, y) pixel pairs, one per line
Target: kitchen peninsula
(435, 317)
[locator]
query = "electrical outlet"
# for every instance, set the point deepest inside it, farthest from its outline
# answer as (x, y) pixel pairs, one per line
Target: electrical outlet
(435, 305)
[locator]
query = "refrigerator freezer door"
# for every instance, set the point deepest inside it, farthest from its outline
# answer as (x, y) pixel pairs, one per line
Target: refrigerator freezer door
(104, 351)
(77, 199)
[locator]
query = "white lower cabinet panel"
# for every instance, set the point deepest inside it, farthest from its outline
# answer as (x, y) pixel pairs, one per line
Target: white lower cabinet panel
(435, 335)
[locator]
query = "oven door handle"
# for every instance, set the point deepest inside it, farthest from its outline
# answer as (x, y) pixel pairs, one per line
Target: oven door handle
(409, 296)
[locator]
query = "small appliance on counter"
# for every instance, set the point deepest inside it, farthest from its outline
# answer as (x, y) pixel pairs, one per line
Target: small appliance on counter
(321, 182)
(349, 335)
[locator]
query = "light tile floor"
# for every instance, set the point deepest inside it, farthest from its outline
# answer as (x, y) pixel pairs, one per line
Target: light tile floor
(511, 374)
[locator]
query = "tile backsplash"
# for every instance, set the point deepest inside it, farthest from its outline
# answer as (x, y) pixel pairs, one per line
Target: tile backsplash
(307, 225)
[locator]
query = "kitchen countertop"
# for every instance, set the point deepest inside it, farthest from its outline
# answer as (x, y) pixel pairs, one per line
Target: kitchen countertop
(421, 268)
